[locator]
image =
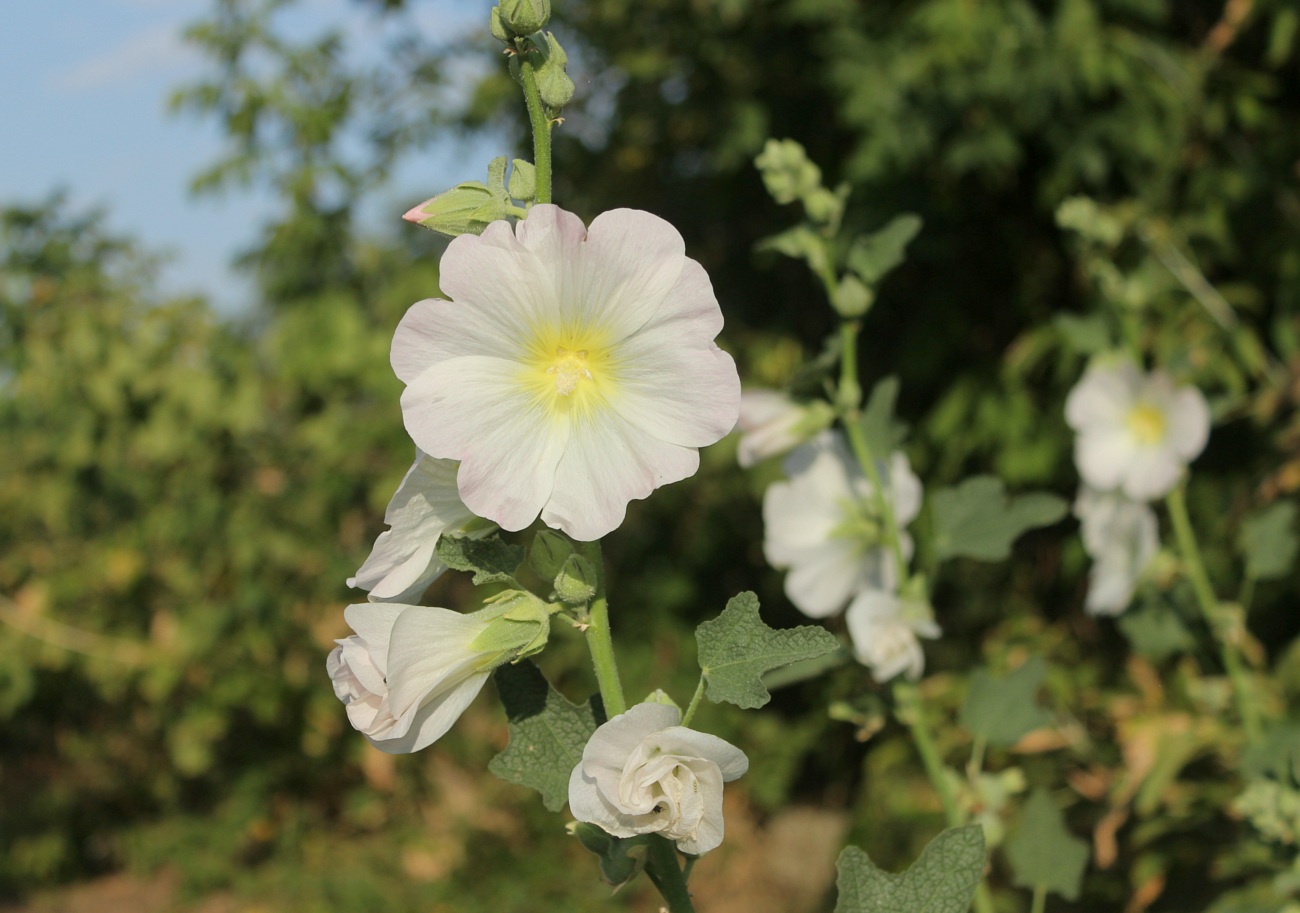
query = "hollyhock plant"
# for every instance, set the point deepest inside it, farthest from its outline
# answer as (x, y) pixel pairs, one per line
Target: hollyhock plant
(772, 423)
(823, 524)
(404, 559)
(885, 629)
(409, 672)
(1121, 536)
(1136, 432)
(572, 369)
(642, 773)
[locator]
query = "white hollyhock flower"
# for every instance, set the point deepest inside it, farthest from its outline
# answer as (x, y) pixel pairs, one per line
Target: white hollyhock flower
(822, 524)
(404, 559)
(1121, 536)
(1135, 431)
(409, 672)
(641, 773)
(572, 371)
(771, 423)
(884, 629)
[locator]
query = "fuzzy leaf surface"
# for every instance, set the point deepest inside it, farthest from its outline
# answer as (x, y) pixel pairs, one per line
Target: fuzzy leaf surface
(976, 519)
(1042, 853)
(943, 880)
(491, 559)
(1004, 709)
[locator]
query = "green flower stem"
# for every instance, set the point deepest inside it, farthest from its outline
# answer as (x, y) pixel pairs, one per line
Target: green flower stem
(850, 395)
(695, 702)
(1219, 621)
(599, 640)
(908, 709)
(1040, 900)
(540, 122)
(667, 876)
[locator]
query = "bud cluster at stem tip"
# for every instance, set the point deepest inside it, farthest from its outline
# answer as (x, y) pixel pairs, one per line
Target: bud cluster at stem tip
(519, 18)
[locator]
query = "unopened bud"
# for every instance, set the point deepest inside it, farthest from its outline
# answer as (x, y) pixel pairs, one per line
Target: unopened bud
(465, 209)
(521, 18)
(576, 581)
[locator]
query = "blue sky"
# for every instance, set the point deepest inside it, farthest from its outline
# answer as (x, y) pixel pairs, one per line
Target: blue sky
(83, 106)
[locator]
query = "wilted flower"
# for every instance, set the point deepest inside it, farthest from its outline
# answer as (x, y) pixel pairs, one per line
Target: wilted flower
(1136, 431)
(409, 672)
(404, 560)
(824, 526)
(1121, 536)
(884, 629)
(641, 773)
(573, 371)
(772, 423)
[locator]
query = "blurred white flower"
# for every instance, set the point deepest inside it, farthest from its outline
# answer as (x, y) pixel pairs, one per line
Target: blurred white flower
(823, 526)
(573, 371)
(771, 423)
(884, 629)
(409, 672)
(404, 559)
(1135, 431)
(1121, 536)
(642, 773)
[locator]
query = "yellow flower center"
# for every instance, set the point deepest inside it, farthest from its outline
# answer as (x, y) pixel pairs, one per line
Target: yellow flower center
(570, 369)
(1147, 423)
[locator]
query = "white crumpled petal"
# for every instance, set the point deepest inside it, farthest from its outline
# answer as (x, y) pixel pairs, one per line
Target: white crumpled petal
(404, 559)
(641, 773)
(812, 524)
(572, 371)
(885, 631)
(1135, 432)
(1121, 536)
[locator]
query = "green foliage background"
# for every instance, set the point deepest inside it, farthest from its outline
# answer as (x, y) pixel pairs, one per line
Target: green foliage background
(183, 496)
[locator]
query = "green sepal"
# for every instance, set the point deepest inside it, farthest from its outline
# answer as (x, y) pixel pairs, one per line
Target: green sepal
(1002, 710)
(491, 559)
(553, 82)
(523, 180)
(1042, 853)
(520, 628)
(547, 733)
(942, 880)
(549, 551)
(621, 858)
(737, 648)
(576, 581)
(976, 518)
(497, 27)
(467, 208)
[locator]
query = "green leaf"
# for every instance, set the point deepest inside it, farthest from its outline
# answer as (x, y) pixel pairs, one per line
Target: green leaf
(976, 519)
(801, 243)
(883, 432)
(547, 733)
(621, 858)
(1268, 541)
(491, 559)
(1001, 710)
(1276, 755)
(1156, 631)
(1042, 853)
(943, 880)
(737, 648)
(787, 172)
(874, 256)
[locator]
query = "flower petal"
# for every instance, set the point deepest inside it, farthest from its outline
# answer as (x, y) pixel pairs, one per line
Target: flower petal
(433, 718)
(633, 261)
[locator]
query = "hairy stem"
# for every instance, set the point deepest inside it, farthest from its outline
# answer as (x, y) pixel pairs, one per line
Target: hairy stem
(667, 876)
(599, 640)
(540, 122)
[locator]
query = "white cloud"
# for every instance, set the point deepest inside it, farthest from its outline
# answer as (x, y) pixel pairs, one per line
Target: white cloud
(160, 48)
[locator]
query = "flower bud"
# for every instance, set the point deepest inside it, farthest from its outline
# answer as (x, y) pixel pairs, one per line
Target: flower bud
(553, 83)
(518, 624)
(521, 18)
(576, 581)
(523, 180)
(465, 209)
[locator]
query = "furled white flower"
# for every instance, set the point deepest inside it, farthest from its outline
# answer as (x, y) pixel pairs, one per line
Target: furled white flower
(884, 629)
(824, 527)
(1136, 431)
(404, 560)
(771, 423)
(1121, 536)
(573, 371)
(409, 672)
(641, 773)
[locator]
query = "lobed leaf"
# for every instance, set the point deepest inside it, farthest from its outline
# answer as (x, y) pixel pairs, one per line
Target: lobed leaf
(976, 519)
(1042, 853)
(1002, 710)
(942, 880)
(491, 559)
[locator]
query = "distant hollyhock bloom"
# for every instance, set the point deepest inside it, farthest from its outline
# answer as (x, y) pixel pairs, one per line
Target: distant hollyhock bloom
(1135, 431)
(642, 773)
(404, 559)
(572, 371)
(1121, 536)
(885, 629)
(409, 672)
(772, 423)
(823, 525)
